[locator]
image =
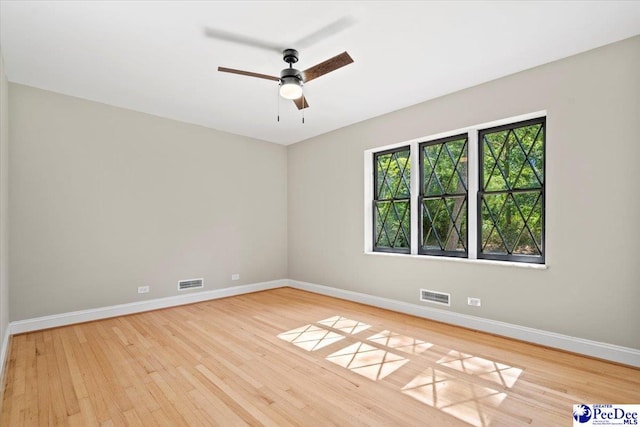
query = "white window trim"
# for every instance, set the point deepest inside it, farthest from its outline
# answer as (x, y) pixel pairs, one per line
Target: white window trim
(472, 200)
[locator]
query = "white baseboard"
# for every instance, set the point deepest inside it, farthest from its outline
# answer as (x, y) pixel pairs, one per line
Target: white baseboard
(63, 319)
(615, 353)
(3, 356)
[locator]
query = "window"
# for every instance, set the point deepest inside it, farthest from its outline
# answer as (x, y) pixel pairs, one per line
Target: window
(511, 197)
(476, 193)
(443, 196)
(392, 201)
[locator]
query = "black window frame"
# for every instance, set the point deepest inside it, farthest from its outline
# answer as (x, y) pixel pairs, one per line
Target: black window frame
(421, 197)
(374, 227)
(533, 259)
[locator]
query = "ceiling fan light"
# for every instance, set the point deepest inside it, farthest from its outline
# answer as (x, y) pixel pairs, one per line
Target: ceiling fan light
(290, 88)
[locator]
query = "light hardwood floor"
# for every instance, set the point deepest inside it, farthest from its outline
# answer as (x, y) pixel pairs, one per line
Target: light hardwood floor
(290, 358)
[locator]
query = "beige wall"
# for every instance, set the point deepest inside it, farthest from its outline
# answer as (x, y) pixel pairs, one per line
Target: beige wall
(592, 286)
(104, 200)
(4, 198)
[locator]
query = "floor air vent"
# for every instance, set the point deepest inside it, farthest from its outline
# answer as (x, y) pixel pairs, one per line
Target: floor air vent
(435, 297)
(190, 284)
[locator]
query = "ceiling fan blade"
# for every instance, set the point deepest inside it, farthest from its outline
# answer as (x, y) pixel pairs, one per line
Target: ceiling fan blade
(324, 32)
(327, 66)
(301, 103)
(248, 73)
(240, 39)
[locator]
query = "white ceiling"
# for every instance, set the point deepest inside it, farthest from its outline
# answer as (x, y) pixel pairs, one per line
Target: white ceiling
(154, 56)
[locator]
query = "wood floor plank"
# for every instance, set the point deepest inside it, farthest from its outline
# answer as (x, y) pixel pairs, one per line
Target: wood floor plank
(285, 357)
(212, 409)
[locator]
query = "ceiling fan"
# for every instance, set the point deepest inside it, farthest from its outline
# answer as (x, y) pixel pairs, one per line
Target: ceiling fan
(291, 80)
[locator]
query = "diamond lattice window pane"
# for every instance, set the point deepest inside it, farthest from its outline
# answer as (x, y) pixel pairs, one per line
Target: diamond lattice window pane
(530, 140)
(393, 173)
(432, 184)
(444, 223)
(514, 159)
(529, 206)
(512, 223)
(393, 221)
(494, 176)
(445, 167)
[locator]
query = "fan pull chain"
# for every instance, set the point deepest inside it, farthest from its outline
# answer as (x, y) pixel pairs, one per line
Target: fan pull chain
(304, 102)
(278, 99)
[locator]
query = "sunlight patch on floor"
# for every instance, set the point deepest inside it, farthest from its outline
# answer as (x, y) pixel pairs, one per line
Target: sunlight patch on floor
(345, 325)
(310, 337)
(400, 342)
(498, 373)
(451, 385)
(368, 361)
(463, 400)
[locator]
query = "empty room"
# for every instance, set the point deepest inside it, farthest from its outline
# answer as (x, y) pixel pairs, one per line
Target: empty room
(319, 213)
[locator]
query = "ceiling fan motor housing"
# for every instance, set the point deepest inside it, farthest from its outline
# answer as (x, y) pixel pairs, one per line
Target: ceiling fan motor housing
(290, 73)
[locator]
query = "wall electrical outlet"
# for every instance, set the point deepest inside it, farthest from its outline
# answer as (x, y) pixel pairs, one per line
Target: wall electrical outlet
(235, 276)
(473, 301)
(143, 289)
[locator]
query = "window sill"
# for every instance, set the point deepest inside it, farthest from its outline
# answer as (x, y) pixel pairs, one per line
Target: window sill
(464, 260)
